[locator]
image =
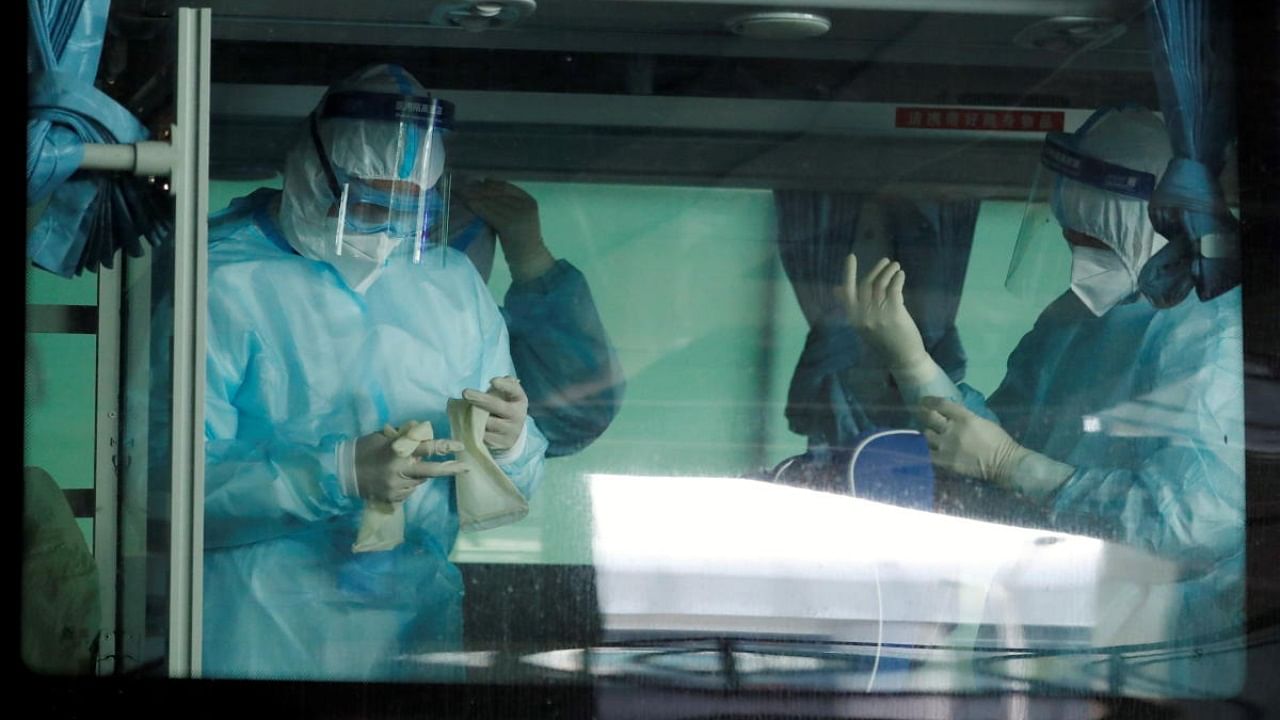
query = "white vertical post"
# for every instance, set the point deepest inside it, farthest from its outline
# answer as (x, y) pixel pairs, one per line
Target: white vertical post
(190, 188)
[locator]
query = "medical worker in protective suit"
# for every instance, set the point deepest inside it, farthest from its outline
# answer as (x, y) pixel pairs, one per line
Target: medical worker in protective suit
(335, 310)
(1116, 416)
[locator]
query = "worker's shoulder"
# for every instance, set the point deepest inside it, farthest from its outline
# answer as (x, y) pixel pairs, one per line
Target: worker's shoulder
(247, 265)
(246, 232)
(244, 222)
(241, 210)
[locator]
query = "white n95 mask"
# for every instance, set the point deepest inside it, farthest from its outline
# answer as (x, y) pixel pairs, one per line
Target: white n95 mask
(363, 258)
(1100, 278)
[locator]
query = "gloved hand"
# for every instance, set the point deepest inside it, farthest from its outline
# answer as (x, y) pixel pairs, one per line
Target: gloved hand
(508, 405)
(876, 310)
(513, 213)
(384, 476)
(964, 443)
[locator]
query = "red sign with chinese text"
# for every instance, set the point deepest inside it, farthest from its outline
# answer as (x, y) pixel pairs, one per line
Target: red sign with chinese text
(943, 118)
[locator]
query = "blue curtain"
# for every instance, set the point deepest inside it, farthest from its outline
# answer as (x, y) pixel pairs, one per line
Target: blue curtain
(89, 216)
(839, 390)
(1192, 61)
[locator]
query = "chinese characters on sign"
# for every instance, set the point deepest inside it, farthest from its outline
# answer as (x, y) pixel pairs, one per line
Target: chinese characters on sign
(925, 118)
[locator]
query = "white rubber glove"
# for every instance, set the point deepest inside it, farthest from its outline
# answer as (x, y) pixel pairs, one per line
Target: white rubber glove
(383, 475)
(962, 442)
(508, 406)
(382, 522)
(486, 497)
(876, 309)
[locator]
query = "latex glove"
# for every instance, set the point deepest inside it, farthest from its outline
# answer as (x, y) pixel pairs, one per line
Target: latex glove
(508, 406)
(876, 309)
(382, 523)
(409, 438)
(513, 213)
(965, 443)
(486, 497)
(383, 475)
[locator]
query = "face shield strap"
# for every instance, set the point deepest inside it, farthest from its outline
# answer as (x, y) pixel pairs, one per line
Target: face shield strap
(1059, 156)
(334, 187)
(339, 192)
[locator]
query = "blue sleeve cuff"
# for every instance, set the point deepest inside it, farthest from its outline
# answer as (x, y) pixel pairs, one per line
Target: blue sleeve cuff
(561, 274)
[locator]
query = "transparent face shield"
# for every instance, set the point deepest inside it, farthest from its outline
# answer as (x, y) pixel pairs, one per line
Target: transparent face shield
(1040, 266)
(407, 197)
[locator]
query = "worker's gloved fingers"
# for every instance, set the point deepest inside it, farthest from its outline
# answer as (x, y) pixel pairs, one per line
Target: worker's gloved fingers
(866, 288)
(933, 420)
(508, 388)
(426, 470)
(428, 448)
(493, 403)
(880, 287)
(894, 292)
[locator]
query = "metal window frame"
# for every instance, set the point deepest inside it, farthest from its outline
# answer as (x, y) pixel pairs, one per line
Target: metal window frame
(106, 477)
(190, 188)
(131, 502)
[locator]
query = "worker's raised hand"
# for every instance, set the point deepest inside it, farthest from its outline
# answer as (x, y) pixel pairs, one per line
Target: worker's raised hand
(876, 310)
(513, 214)
(508, 406)
(384, 475)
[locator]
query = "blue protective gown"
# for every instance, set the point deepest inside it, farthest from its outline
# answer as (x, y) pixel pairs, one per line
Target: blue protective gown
(563, 358)
(1147, 405)
(297, 363)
